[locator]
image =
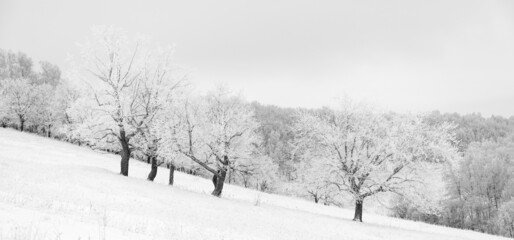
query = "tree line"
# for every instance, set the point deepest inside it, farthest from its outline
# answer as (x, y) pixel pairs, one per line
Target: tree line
(128, 96)
(480, 186)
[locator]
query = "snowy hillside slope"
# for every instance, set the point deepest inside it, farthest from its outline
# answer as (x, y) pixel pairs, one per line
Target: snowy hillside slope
(54, 190)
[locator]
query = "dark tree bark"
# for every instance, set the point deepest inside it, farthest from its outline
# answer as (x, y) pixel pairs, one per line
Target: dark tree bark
(220, 180)
(172, 173)
(219, 176)
(49, 131)
(22, 123)
(215, 179)
(125, 153)
(358, 210)
(153, 171)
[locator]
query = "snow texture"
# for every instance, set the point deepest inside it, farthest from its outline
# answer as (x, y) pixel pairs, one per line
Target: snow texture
(55, 190)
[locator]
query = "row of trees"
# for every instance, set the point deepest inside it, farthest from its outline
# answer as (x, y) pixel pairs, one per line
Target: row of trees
(127, 96)
(135, 99)
(136, 102)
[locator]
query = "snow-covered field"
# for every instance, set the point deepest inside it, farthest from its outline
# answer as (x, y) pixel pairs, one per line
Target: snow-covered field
(54, 190)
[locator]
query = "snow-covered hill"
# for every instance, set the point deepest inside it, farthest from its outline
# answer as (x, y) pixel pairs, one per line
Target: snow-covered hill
(54, 190)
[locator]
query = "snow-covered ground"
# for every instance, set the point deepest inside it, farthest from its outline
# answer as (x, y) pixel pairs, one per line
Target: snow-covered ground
(54, 190)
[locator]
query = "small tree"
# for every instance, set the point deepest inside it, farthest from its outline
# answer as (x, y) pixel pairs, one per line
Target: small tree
(314, 182)
(367, 152)
(259, 171)
(22, 99)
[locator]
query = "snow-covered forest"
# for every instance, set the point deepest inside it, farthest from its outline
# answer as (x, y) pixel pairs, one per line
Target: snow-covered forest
(126, 95)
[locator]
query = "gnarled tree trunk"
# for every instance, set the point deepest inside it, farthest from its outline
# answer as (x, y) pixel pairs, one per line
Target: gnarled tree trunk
(220, 180)
(153, 171)
(125, 153)
(172, 173)
(215, 179)
(358, 210)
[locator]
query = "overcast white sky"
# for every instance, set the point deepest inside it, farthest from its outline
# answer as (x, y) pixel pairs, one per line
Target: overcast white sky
(454, 56)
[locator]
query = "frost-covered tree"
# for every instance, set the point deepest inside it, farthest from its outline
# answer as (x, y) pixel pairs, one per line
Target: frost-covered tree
(17, 69)
(46, 113)
(52, 113)
(257, 171)
(124, 80)
(368, 152)
(22, 100)
(145, 148)
(15, 65)
(161, 87)
(506, 219)
(479, 184)
(217, 131)
(276, 132)
(168, 136)
(80, 124)
(313, 182)
(424, 199)
(151, 146)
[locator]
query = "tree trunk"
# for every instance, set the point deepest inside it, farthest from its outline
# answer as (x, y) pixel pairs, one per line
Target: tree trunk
(125, 153)
(215, 179)
(220, 180)
(172, 173)
(153, 171)
(22, 123)
(358, 210)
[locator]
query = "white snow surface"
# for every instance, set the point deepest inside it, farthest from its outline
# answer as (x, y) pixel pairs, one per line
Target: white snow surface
(55, 190)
